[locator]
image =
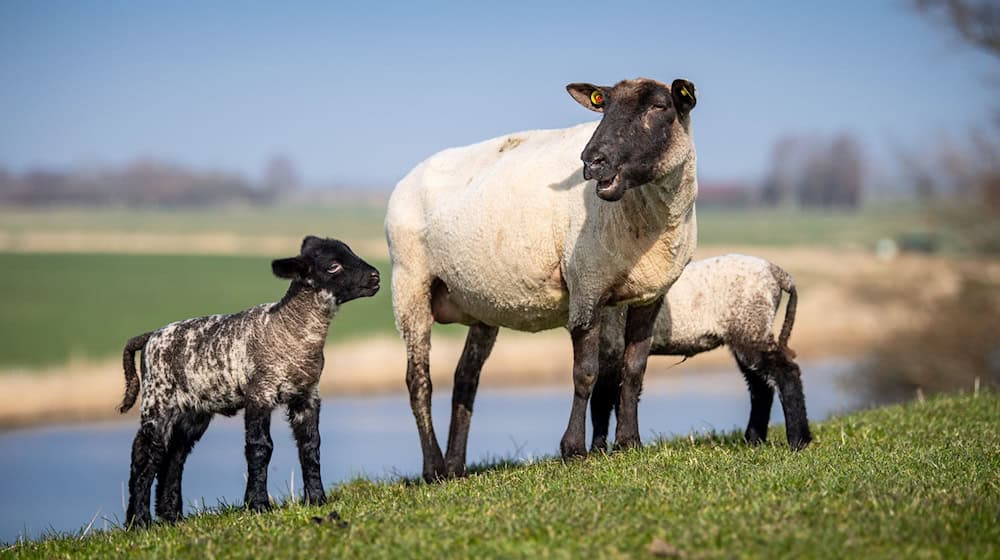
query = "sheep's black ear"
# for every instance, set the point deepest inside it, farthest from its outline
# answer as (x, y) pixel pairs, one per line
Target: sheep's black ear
(293, 268)
(309, 240)
(684, 96)
(588, 95)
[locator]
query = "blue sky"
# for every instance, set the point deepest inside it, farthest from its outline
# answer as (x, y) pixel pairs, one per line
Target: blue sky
(360, 92)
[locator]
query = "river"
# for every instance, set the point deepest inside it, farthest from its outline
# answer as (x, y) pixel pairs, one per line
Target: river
(60, 478)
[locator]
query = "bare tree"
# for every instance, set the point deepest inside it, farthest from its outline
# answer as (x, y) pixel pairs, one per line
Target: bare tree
(975, 21)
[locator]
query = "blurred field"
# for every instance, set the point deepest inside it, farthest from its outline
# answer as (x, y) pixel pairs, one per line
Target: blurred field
(68, 304)
(270, 231)
(84, 306)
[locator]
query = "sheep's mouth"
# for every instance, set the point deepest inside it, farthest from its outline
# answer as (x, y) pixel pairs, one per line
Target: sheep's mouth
(611, 189)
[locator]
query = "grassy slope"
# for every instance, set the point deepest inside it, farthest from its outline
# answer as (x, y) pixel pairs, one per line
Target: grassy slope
(922, 480)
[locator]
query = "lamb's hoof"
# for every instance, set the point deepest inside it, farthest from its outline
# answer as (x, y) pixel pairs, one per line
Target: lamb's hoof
(435, 472)
(753, 438)
(799, 443)
(316, 498)
(572, 449)
(599, 445)
(626, 443)
(258, 506)
(457, 470)
(139, 522)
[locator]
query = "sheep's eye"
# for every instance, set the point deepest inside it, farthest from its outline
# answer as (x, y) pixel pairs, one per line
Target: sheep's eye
(660, 106)
(335, 268)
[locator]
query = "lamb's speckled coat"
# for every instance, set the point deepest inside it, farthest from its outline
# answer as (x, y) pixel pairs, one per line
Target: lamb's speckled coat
(215, 364)
(729, 300)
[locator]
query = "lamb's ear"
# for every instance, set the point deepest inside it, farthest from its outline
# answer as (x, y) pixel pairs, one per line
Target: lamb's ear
(292, 268)
(308, 240)
(684, 94)
(588, 95)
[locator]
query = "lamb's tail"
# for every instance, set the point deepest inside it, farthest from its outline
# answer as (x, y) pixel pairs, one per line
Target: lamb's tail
(787, 284)
(133, 345)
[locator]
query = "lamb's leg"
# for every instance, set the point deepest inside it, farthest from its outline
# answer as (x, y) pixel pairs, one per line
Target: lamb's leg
(259, 445)
(638, 337)
(586, 347)
(761, 397)
(478, 345)
(303, 415)
(605, 397)
(148, 450)
(186, 432)
(411, 303)
(788, 378)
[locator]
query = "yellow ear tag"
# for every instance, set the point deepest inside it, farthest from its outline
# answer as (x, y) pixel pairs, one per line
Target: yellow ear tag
(684, 92)
(597, 98)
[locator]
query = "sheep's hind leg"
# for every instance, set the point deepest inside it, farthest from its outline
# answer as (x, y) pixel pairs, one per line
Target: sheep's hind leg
(258, 452)
(411, 303)
(148, 451)
(303, 415)
(638, 338)
(788, 378)
(586, 347)
(185, 433)
(478, 345)
(761, 398)
(605, 397)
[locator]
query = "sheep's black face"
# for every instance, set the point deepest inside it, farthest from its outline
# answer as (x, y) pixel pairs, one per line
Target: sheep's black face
(330, 265)
(644, 133)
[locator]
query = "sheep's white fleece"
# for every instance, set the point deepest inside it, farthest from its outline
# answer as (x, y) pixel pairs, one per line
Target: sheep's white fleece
(521, 239)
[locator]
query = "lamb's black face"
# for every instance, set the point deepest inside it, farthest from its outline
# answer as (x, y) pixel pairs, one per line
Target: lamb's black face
(643, 120)
(328, 264)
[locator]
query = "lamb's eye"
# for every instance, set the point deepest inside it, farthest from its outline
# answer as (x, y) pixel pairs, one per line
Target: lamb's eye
(335, 268)
(660, 106)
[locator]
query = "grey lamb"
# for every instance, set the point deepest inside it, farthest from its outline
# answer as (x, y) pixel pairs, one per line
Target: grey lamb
(730, 300)
(256, 359)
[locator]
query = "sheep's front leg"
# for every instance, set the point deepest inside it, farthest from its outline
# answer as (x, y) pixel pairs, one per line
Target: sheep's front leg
(258, 451)
(478, 345)
(638, 337)
(605, 397)
(586, 346)
(303, 415)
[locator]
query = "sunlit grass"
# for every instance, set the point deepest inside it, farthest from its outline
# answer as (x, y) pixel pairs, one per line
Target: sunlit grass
(919, 480)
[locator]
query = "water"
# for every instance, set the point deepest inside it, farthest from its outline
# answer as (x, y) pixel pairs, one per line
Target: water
(60, 478)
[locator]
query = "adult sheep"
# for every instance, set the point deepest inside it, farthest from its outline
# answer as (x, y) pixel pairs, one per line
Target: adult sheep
(514, 232)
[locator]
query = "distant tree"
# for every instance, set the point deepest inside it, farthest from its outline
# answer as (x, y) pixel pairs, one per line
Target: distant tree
(815, 172)
(975, 21)
(281, 177)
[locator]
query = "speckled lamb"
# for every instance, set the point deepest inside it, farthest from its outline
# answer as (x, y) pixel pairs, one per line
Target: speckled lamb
(730, 300)
(256, 359)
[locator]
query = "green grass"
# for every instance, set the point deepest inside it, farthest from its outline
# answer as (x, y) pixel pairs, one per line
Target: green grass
(792, 226)
(914, 481)
(54, 306)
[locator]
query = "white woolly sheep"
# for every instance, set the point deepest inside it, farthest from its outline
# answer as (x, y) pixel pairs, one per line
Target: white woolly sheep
(730, 300)
(256, 359)
(513, 232)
